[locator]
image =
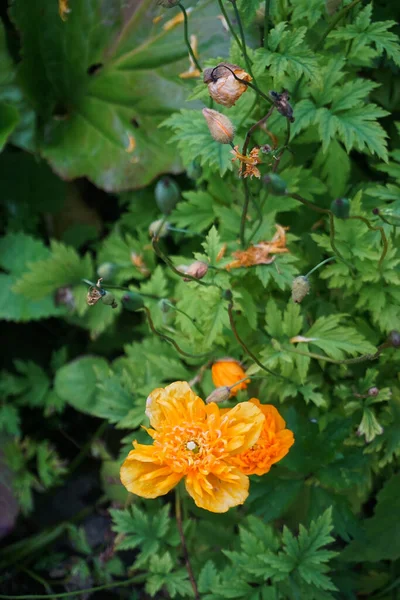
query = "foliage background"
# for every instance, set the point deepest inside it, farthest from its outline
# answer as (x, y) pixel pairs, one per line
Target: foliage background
(93, 113)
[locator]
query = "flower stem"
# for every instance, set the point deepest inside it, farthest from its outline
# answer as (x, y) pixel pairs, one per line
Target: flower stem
(228, 22)
(320, 265)
(285, 147)
(167, 338)
(244, 212)
(168, 303)
(246, 349)
(243, 38)
(334, 22)
(382, 232)
(178, 516)
(266, 23)
(186, 35)
(171, 265)
(107, 586)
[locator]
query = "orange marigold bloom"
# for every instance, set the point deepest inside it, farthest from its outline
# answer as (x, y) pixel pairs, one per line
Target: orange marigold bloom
(261, 253)
(194, 441)
(227, 372)
(272, 445)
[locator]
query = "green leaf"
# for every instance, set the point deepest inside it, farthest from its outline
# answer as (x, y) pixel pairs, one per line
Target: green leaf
(76, 382)
(9, 119)
(102, 72)
(369, 425)
(212, 245)
(380, 538)
(63, 267)
(336, 340)
(10, 419)
(196, 212)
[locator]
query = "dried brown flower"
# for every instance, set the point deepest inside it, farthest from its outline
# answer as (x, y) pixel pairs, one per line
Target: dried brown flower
(224, 85)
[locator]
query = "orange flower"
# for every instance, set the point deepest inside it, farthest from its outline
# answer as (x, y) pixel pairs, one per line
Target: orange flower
(248, 163)
(260, 254)
(272, 445)
(226, 372)
(194, 441)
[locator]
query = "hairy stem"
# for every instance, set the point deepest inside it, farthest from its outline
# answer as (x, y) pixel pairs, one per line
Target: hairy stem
(186, 35)
(167, 338)
(228, 22)
(178, 515)
(266, 22)
(171, 265)
(244, 212)
(321, 264)
(243, 38)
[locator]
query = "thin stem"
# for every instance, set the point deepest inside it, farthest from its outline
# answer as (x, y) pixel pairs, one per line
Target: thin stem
(320, 265)
(167, 338)
(266, 23)
(251, 85)
(168, 303)
(106, 586)
(249, 112)
(228, 22)
(328, 212)
(383, 236)
(178, 515)
(171, 265)
(86, 448)
(344, 361)
(242, 36)
(254, 127)
(285, 147)
(186, 35)
(334, 22)
(120, 287)
(244, 212)
(246, 349)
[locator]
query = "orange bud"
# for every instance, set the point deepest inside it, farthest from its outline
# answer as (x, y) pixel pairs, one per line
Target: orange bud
(224, 85)
(226, 372)
(221, 128)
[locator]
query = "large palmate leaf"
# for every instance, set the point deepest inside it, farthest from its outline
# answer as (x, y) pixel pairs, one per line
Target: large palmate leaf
(103, 80)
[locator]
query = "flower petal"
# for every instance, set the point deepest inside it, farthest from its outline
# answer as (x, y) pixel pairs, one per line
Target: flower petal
(218, 494)
(274, 419)
(147, 479)
(242, 426)
(173, 404)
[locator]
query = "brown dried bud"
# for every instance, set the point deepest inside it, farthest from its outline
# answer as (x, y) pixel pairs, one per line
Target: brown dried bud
(197, 269)
(281, 102)
(220, 394)
(221, 128)
(300, 288)
(223, 83)
(373, 391)
(95, 293)
(159, 228)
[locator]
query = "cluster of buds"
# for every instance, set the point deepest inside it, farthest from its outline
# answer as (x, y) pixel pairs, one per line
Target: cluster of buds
(226, 83)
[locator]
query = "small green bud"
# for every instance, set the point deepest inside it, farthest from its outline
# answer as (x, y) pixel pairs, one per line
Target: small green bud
(194, 170)
(109, 299)
(394, 338)
(300, 288)
(167, 194)
(164, 306)
(158, 228)
(341, 208)
(278, 185)
(132, 301)
(227, 295)
(107, 270)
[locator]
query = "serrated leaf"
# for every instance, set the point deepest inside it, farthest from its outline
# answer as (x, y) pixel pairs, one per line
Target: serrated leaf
(336, 340)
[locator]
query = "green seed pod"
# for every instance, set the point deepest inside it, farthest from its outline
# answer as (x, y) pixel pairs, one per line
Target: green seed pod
(341, 208)
(109, 299)
(394, 339)
(194, 170)
(158, 228)
(164, 306)
(167, 194)
(277, 184)
(132, 301)
(300, 288)
(107, 270)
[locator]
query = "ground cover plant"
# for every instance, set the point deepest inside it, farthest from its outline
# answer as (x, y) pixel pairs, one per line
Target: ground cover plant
(200, 205)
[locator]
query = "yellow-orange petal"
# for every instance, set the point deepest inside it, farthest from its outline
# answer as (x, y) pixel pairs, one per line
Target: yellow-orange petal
(217, 494)
(147, 479)
(227, 372)
(173, 404)
(274, 419)
(241, 426)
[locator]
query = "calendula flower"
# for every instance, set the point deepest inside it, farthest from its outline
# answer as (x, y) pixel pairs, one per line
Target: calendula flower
(261, 253)
(221, 128)
(224, 85)
(63, 9)
(272, 445)
(195, 442)
(226, 372)
(248, 164)
(193, 71)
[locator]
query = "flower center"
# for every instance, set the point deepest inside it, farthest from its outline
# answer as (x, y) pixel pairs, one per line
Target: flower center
(193, 446)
